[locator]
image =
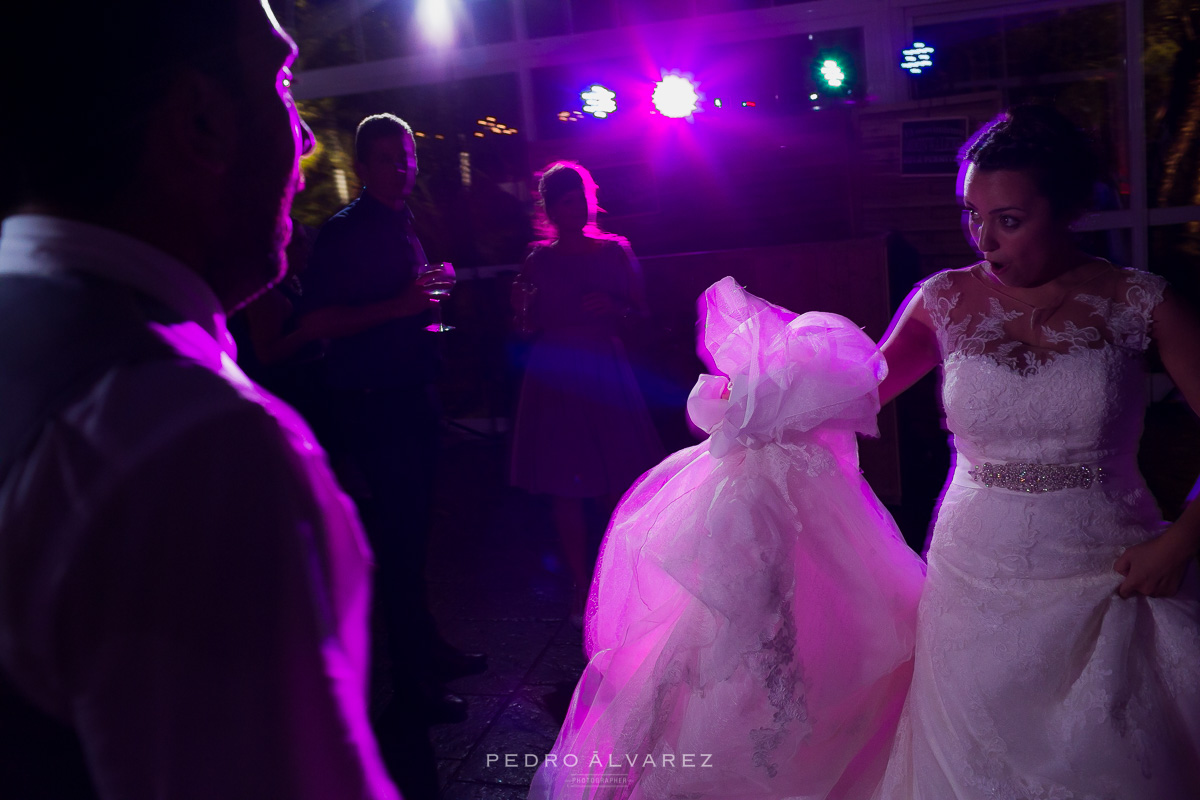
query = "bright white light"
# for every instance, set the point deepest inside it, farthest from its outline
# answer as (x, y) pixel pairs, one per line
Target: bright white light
(436, 19)
(917, 58)
(341, 185)
(813, 96)
(675, 96)
(832, 73)
(464, 168)
(598, 101)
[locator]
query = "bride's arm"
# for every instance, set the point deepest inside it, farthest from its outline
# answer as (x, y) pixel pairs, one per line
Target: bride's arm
(910, 348)
(1155, 568)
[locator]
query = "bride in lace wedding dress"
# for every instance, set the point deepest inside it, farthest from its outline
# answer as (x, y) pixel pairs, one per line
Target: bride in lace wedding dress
(754, 628)
(1039, 671)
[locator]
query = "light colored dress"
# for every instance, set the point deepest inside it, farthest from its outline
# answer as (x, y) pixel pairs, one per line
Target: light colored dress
(751, 625)
(582, 428)
(1032, 678)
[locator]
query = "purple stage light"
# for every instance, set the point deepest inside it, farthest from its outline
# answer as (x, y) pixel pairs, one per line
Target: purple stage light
(675, 96)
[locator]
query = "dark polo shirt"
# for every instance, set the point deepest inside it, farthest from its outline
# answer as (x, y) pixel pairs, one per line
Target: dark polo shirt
(364, 254)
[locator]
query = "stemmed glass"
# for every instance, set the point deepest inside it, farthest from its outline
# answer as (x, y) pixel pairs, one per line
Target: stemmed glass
(523, 294)
(436, 281)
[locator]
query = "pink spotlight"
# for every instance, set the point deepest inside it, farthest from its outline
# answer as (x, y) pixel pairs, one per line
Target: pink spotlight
(675, 96)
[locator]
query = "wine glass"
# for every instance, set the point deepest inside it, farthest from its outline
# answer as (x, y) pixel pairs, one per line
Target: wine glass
(523, 295)
(436, 280)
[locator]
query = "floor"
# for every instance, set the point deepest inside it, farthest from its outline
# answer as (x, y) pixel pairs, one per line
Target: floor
(498, 586)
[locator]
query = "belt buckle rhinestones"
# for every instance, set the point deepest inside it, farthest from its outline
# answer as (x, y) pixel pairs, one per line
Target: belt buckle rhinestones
(1036, 478)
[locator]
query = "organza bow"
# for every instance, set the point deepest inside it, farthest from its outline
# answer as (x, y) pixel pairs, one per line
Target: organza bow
(779, 371)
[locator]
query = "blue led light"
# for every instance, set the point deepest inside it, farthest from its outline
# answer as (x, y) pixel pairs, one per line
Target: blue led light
(598, 101)
(917, 58)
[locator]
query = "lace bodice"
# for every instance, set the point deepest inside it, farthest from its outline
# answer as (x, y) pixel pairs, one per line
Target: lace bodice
(1033, 679)
(1061, 384)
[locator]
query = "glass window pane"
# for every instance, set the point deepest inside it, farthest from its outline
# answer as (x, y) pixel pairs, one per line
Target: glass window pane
(327, 34)
(722, 6)
(387, 28)
(1175, 254)
(1041, 57)
(636, 12)
(592, 15)
(1172, 102)
(1000, 52)
(491, 21)
(546, 18)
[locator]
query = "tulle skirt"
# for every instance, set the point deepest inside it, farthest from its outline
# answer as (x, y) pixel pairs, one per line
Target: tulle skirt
(750, 633)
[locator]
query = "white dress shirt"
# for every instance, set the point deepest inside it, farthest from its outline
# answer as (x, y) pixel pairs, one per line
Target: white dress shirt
(181, 579)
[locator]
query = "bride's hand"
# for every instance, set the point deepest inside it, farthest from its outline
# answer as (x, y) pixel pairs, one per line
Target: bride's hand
(1154, 568)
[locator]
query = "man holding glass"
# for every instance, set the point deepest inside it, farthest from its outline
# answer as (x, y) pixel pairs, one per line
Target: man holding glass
(367, 292)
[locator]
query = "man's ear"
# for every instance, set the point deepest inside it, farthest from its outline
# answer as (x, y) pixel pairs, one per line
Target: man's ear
(201, 116)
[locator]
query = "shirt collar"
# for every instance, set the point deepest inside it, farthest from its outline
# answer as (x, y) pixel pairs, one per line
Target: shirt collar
(37, 244)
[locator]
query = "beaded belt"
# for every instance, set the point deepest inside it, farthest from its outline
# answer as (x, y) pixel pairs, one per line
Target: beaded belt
(1036, 478)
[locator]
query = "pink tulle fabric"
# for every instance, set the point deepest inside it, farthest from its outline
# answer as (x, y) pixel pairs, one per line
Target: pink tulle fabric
(750, 628)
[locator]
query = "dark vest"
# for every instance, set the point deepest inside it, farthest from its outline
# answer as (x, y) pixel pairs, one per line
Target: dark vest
(58, 338)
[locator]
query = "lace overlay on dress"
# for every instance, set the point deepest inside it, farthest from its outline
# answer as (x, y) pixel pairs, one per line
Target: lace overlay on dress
(983, 321)
(1032, 679)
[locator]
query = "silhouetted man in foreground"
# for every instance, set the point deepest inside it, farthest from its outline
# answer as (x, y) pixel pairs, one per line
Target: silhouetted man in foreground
(183, 587)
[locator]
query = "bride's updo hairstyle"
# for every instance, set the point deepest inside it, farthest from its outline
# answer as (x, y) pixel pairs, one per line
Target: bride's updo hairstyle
(1040, 140)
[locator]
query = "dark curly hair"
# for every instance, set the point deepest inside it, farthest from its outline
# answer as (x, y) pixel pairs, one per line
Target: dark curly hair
(1039, 139)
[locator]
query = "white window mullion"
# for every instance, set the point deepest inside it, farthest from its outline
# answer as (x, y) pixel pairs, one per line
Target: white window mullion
(1135, 91)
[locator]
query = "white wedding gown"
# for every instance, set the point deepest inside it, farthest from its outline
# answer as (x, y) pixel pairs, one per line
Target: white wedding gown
(751, 625)
(1033, 679)
(754, 607)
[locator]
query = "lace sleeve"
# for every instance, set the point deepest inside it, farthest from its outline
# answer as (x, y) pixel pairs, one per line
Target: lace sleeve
(1130, 312)
(1143, 293)
(938, 299)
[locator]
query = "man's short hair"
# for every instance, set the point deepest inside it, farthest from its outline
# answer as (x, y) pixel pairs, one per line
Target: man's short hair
(79, 80)
(374, 128)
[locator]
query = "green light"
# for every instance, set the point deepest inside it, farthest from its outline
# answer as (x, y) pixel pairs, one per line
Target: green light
(833, 74)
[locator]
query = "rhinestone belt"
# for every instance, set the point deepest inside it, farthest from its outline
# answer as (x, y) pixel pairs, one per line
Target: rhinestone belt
(1036, 478)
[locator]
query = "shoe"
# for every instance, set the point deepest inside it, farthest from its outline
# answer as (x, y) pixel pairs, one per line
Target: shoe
(450, 663)
(444, 708)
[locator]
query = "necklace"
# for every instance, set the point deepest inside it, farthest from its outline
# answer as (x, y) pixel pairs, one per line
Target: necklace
(1051, 295)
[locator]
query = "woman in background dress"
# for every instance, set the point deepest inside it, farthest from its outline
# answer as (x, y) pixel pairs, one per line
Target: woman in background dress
(582, 429)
